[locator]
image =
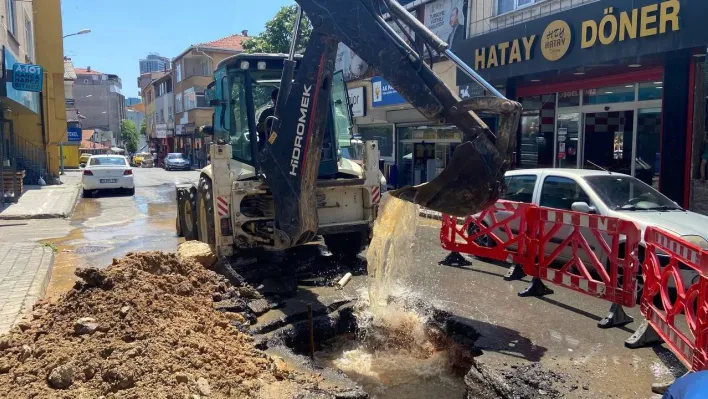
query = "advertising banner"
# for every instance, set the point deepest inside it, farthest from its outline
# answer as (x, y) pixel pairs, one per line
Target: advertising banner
(446, 18)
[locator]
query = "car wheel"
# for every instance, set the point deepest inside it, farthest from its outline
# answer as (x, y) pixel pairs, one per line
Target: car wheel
(86, 193)
(205, 206)
(131, 192)
(483, 240)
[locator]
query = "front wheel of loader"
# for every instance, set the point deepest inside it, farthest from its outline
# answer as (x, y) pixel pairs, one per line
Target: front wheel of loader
(346, 245)
(205, 212)
(187, 215)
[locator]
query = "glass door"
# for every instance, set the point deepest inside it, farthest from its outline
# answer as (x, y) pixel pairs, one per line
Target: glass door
(568, 128)
(647, 146)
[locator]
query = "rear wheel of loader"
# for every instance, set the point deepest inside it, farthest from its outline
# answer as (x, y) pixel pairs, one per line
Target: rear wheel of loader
(187, 214)
(346, 244)
(205, 205)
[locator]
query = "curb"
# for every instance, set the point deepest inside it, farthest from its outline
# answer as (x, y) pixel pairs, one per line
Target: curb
(67, 213)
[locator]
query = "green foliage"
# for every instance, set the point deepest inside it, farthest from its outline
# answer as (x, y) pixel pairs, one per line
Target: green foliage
(129, 135)
(51, 245)
(278, 31)
(143, 128)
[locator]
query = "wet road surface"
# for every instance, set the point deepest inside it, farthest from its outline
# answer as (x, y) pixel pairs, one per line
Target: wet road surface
(113, 224)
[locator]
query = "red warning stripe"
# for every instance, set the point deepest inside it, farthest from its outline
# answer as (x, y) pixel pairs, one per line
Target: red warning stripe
(375, 195)
(222, 205)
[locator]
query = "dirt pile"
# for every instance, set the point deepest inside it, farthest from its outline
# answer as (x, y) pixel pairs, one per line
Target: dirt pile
(144, 327)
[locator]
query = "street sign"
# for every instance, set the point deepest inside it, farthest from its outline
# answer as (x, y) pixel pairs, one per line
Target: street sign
(73, 134)
(27, 77)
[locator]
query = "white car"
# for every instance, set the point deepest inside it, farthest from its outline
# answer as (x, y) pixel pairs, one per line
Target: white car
(107, 172)
(607, 194)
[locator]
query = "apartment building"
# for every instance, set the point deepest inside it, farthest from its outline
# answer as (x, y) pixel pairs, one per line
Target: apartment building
(160, 116)
(99, 99)
(593, 76)
(154, 63)
(192, 72)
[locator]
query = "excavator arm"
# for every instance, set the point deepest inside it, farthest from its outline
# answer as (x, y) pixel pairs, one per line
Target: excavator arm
(290, 159)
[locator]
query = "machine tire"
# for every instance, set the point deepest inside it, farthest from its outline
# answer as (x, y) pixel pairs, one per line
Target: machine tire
(187, 218)
(346, 244)
(205, 208)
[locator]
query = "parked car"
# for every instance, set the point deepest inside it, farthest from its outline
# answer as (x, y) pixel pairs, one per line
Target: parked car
(83, 159)
(147, 161)
(607, 194)
(138, 158)
(176, 161)
(106, 172)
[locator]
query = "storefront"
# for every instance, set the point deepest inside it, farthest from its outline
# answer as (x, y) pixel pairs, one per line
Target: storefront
(603, 86)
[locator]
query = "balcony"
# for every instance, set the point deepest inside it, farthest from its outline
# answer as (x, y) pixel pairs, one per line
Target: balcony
(491, 22)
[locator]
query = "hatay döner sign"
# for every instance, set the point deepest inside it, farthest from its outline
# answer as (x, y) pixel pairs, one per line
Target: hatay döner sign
(614, 26)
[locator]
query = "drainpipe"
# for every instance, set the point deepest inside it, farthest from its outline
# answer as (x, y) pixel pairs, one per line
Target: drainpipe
(45, 134)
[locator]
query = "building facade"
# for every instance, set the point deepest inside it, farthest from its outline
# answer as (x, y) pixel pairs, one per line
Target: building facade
(154, 63)
(192, 72)
(593, 78)
(161, 116)
(99, 99)
(132, 101)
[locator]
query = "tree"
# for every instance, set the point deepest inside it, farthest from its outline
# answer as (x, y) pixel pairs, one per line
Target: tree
(129, 134)
(143, 128)
(278, 31)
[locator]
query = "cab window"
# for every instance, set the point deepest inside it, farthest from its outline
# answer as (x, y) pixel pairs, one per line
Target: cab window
(560, 193)
(519, 188)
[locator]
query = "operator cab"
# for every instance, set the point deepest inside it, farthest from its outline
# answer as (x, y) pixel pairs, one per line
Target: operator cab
(242, 93)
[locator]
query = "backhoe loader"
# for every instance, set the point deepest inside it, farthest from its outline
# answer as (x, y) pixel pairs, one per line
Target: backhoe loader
(281, 186)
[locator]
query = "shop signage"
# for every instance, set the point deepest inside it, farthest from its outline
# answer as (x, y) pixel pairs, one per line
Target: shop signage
(161, 131)
(73, 134)
(27, 77)
(383, 94)
(357, 100)
(594, 33)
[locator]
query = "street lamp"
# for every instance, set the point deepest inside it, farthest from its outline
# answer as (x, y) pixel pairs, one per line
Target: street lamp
(81, 32)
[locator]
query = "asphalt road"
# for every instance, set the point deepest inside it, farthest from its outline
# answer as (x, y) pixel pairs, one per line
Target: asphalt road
(559, 330)
(111, 224)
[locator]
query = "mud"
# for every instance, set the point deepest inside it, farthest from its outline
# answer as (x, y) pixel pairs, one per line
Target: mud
(144, 327)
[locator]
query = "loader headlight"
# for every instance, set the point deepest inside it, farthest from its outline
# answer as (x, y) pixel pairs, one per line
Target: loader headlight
(245, 65)
(261, 65)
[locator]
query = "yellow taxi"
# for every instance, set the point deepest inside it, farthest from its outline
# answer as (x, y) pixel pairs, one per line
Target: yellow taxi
(83, 159)
(138, 158)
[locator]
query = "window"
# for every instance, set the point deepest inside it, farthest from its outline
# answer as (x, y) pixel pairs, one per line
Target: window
(190, 99)
(108, 161)
(178, 71)
(505, 6)
(605, 95)
(169, 113)
(382, 133)
(561, 192)
(520, 188)
(651, 91)
(10, 11)
(205, 68)
(178, 102)
(627, 193)
(29, 39)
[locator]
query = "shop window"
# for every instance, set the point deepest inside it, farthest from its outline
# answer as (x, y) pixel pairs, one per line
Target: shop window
(569, 99)
(608, 95)
(561, 192)
(520, 188)
(648, 146)
(382, 133)
(651, 91)
(537, 128)
(429, 133)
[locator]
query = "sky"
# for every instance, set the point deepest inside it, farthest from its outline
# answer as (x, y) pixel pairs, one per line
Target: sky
(124, 31)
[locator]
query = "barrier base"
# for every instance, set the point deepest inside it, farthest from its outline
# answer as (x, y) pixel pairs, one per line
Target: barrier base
(616, 318)
(536, 288)
(643, 337)
(455, 259)
(515, 272)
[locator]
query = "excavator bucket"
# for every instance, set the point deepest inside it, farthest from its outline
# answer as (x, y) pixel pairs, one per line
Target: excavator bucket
(474, 178)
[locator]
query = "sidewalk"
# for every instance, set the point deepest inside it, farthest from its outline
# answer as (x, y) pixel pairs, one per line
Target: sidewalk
(24, 274)
(45, 202)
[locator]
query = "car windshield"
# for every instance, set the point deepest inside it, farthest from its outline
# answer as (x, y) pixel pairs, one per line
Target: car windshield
(175, 156)
(108, 161)
(627, 193)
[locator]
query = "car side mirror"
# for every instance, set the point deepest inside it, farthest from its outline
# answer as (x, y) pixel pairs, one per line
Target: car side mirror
(582, 207)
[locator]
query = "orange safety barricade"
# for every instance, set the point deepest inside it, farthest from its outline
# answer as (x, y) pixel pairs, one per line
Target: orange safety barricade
(591, 264)
(690, 343)
(498, 233)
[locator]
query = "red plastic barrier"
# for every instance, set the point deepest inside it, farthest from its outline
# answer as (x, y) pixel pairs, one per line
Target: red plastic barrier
(690, 343)
(479, 235)
(600, 271)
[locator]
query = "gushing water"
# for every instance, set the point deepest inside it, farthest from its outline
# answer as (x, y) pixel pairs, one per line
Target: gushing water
(394, 354)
